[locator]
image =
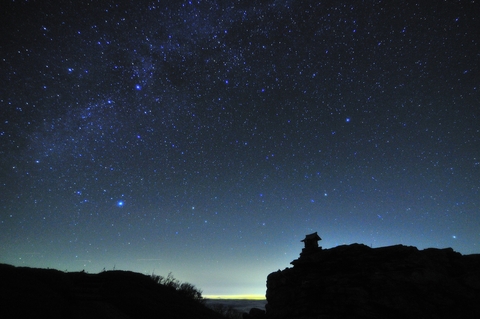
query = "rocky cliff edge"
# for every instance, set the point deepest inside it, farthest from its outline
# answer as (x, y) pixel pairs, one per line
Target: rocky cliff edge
(356, 281)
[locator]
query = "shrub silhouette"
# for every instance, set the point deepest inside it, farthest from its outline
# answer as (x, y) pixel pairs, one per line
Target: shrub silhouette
(185, 289)
(191, 292)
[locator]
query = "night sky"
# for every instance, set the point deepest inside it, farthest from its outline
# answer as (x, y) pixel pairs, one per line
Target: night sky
(206, 138)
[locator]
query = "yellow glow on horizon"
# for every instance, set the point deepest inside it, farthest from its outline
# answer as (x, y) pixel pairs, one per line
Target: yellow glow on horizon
(247, 297)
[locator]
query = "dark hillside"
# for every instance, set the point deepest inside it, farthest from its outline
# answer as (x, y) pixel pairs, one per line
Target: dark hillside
(47, 293)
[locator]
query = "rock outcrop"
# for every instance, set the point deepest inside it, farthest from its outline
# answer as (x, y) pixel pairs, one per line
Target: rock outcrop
(356, 281)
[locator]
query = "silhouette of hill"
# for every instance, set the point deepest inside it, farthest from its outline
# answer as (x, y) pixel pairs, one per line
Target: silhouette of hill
(356, 281)
(48, 293)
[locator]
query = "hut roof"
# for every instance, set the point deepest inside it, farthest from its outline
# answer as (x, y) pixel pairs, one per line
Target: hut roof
(313, 236)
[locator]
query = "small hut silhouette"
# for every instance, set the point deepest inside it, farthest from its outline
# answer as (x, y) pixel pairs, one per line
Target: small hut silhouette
(311, 247)
(311, 243)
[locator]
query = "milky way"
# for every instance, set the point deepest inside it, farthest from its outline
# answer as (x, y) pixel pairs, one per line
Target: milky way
(206, 138)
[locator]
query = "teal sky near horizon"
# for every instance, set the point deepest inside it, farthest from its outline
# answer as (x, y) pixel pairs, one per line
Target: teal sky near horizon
(206, 138)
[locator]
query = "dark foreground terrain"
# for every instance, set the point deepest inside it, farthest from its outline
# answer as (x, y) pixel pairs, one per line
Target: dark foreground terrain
(356, 281)
(350, 281)
(48, 293)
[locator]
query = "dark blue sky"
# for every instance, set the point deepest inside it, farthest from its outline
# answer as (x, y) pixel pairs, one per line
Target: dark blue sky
(207, 138)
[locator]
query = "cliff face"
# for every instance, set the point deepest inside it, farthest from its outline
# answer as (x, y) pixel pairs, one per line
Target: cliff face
(356, 281)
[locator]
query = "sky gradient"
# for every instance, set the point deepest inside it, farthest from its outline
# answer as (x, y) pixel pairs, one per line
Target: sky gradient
(206, 138)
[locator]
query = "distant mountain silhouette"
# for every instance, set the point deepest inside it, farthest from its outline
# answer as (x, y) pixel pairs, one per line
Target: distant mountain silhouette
(46, 293)
(356, 281)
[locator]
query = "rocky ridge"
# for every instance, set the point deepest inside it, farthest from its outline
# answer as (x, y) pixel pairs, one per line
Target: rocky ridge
(356, 281)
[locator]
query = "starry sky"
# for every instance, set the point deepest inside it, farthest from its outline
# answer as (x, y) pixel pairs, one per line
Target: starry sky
(206, 138)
